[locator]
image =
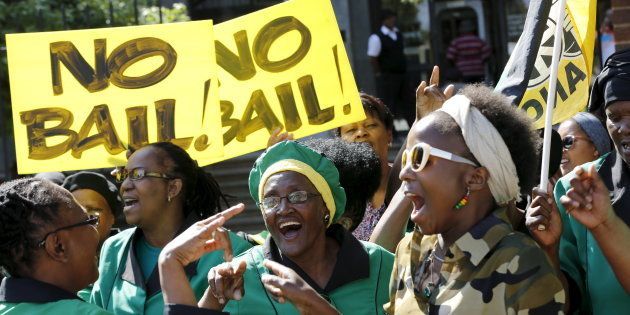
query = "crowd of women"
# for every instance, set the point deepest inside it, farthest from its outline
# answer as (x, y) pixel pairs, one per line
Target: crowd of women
(453, 226)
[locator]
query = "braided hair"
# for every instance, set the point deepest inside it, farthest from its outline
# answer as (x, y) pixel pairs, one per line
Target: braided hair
(202, 192)
(27, 207)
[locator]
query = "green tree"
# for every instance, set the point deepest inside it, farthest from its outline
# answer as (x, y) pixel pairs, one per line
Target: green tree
(151, 15)
(405, 9)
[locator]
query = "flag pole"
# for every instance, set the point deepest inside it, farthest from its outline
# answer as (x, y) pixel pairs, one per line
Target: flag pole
(551, 96)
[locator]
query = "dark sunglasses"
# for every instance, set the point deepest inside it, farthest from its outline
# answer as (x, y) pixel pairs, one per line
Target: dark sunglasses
(137, 173)
(91, 220)
(569, 141)
(419, 155)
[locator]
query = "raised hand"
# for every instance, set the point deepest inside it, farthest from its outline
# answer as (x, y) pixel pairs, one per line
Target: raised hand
(429, 97)
(278, 136)
(285, 284)
(543, 220)
(226, 281)
(588, 200)
(202, 237)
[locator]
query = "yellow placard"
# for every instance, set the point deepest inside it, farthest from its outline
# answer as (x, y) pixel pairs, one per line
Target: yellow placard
(574, 69)
(284, 66)
(81, 98)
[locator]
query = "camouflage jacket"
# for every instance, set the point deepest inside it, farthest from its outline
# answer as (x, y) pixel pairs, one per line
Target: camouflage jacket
(489, 270)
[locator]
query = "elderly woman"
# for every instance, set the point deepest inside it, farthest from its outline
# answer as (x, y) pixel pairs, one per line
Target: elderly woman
(359, 174)
(377, 131)
(462, 166)
(164, 192)
(589, 248)
(48, 249)
(308, 260)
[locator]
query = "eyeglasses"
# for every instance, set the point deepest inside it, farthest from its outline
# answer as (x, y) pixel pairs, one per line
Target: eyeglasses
(419, 155)
(137, 173)
(91, 220)
(569, 141)
(94, 211)
(270, 203)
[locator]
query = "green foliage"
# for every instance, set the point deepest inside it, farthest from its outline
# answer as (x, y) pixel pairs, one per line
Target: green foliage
(151, 15)
(405, 9)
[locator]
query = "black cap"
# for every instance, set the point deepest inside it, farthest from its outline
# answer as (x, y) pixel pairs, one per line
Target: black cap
(98, 183)
(611, 84)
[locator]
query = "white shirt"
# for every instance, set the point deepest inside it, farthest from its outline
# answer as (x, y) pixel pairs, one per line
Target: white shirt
(374, 42)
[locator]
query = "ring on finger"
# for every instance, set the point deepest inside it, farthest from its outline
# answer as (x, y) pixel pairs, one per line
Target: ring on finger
(541, 227)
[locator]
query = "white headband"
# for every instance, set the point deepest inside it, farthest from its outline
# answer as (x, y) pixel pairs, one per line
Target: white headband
(486, 144)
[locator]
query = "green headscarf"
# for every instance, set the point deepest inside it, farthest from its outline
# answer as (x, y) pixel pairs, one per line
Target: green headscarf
(293, 156)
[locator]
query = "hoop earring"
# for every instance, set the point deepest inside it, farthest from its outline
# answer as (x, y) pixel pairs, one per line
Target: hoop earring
(464, 201)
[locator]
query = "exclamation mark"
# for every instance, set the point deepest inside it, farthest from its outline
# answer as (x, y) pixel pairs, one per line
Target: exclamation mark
(346, 108)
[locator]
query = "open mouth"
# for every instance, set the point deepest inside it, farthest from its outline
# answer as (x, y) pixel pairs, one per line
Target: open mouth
(290, 229)
(417, 200)
(129, 202)
(419, 213)
(564, 161)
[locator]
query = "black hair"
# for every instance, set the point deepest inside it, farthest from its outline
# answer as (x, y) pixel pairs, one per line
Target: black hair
(376, 108)
(359, 172)
(512, 124)
(202, 192)
(386, 14)
(27, 207)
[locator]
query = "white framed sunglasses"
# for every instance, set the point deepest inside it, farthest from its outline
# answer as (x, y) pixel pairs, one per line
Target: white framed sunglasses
(419, 155)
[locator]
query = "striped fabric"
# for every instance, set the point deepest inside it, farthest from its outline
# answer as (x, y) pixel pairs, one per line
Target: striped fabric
(469, 52)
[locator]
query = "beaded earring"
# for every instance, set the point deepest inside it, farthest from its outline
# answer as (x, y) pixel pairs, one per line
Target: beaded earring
(464, 201)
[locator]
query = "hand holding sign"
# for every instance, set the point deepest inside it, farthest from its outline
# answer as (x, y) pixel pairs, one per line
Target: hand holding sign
(543, 220)
(278, 136)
